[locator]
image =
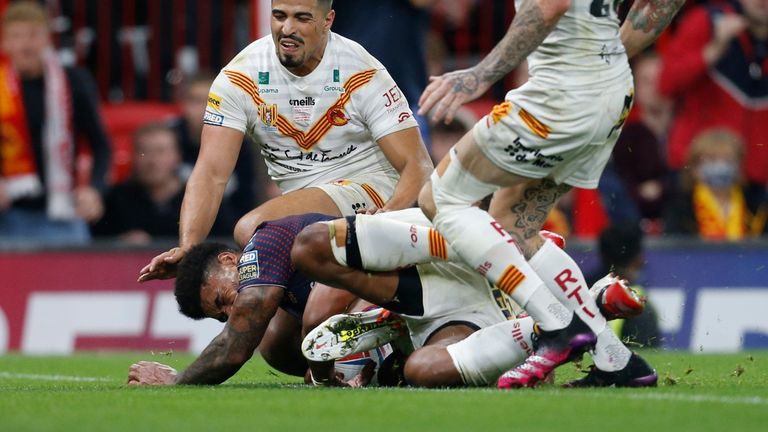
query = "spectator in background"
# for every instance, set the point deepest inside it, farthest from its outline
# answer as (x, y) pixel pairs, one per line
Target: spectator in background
(148, 205)
(241, 193)
(716, 67)
(44, 108)
(712, 203)
(635, 184)
(621, 252)
(394, 32)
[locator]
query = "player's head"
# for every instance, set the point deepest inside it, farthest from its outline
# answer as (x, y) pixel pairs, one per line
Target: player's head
(25, 36)
(206, 281)
(300, 32)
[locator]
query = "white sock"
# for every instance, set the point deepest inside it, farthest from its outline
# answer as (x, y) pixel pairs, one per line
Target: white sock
(489, 352)
(485, 246)
(565, 280)
(387, 244)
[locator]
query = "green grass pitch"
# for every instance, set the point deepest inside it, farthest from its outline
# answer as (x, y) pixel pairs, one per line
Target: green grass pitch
(696, 392)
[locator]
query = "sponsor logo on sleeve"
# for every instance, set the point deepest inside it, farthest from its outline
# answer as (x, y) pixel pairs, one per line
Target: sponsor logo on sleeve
(249, 257)
(403, 117)
(213, 119)
(248, 267)
(214, 101)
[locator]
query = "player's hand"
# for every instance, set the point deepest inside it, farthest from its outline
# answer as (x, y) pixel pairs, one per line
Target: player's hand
(151, 373)
(162, 266)
(445, 94)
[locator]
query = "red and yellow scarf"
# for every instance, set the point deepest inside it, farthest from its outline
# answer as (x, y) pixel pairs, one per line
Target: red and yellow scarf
(18, 169)
(713, 223)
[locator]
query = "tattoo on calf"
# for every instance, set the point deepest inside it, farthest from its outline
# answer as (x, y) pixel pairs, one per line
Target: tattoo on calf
(531, 212)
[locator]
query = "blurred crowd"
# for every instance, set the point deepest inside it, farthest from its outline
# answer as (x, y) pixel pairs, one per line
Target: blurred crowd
(692, 159)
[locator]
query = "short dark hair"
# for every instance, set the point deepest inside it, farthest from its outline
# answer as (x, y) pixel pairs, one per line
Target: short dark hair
(327, 5)
(192, 274)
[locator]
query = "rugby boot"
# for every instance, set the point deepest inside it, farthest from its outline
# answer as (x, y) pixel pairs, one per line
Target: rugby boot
(346, 334)
(637, 373)
(551, 349)
(616, 299)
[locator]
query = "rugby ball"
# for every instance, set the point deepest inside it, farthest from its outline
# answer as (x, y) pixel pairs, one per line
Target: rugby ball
(352, 365)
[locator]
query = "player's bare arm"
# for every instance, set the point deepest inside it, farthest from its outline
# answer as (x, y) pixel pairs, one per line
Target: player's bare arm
(407, 154)
(227, 352)
(219, 149)
(532, 23)
(645, 22)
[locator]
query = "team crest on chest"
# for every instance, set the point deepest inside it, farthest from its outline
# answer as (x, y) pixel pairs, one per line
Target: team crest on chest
(268, 114)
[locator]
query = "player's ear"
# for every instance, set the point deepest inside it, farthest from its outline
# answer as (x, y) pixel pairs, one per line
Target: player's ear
(329, 17)
(228, 258)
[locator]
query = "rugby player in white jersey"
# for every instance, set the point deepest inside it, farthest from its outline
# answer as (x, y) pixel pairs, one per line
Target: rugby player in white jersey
(553, 133)
(464, 331)
(335, 131)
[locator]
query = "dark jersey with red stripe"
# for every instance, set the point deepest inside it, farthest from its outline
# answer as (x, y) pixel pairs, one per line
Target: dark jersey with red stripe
(266, 260)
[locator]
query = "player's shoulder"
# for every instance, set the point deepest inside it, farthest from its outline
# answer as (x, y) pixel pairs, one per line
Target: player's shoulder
(353, 54)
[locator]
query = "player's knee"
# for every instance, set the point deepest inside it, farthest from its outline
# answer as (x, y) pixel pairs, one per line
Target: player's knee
(246, 226)
(427, 202)
(311, 249)
(426, 368)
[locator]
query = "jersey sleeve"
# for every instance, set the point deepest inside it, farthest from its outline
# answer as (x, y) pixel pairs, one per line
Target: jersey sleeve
(384, 108)
(227, 105)
(266, 260)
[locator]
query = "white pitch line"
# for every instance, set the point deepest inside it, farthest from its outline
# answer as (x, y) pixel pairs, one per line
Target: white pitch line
(42, 377)
(673, 397)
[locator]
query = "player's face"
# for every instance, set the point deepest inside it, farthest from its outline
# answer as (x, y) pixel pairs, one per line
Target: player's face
(219, 291)
(25, 43)
(300, 32)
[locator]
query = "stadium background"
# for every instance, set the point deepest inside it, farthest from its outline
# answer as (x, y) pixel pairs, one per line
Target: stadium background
(710, 297)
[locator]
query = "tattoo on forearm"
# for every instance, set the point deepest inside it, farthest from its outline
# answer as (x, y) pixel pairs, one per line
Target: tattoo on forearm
(526, 33)
(653, 16)
(228, 351)
(214, 366)
(530, 213)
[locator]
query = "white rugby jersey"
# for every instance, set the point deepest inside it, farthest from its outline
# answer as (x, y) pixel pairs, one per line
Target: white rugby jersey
(314, 129)
(583, 49)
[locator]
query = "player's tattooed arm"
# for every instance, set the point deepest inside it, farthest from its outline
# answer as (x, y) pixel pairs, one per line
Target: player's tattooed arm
(531, 25)
(645, 22)
(228, 352)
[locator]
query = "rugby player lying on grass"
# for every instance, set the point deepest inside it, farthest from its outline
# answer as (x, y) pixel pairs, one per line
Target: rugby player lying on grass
(267, 304)
(259, 295)
(458, 322)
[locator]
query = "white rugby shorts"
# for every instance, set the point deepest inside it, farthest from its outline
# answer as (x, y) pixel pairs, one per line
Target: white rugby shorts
(566, 135)
(454, 294)
(360, 193)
